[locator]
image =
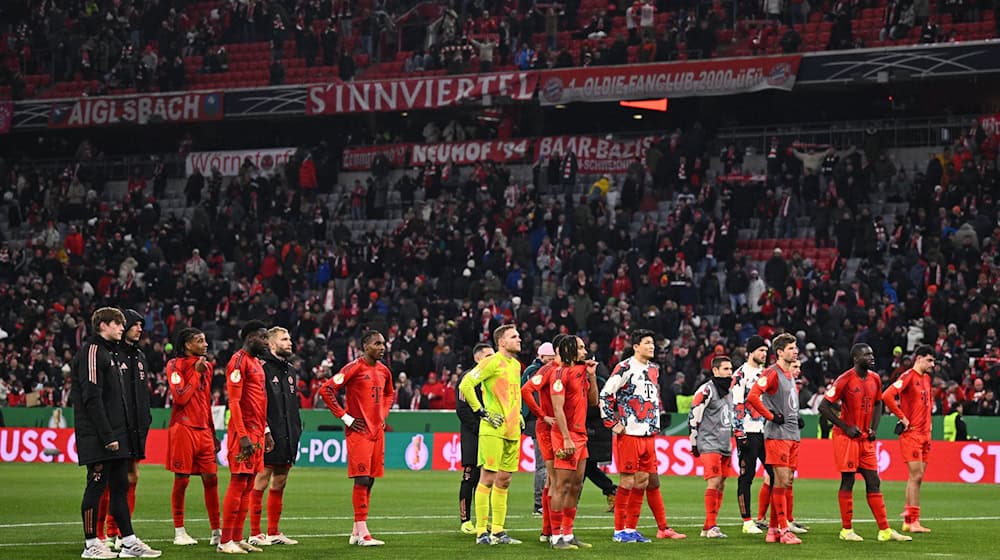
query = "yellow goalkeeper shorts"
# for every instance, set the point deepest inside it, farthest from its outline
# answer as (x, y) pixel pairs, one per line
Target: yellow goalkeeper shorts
(498, 454)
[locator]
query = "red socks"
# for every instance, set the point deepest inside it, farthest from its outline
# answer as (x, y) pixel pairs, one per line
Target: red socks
(235, 506)
(911, 514)
(846, 499)
(102, 513)
(359, 497)
(177, 499)
(779, 507)
(877, 504)
(547, 512)
(211, 487)
(556, 518)
(634, 509)
(711, 508)
(655, 500)
(622, 498)
(274, 503)
(718, 502)
(569, 515)
(790, 503)
(763, 500)
(256, 503)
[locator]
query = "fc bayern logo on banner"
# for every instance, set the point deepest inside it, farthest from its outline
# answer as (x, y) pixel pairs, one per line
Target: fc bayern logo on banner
(553, 89)
(417, 453)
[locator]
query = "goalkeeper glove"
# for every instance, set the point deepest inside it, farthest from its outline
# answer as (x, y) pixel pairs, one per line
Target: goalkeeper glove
(778, 419)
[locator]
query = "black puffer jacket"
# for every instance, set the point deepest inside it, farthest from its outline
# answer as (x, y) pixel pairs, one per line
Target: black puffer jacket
(282, 410)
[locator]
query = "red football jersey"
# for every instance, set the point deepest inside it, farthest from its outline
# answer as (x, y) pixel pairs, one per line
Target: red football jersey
(915, 402)
(191, 392)
(573, 383)
(368, 393)
(247, 397)
(541, 383)
(857, 397)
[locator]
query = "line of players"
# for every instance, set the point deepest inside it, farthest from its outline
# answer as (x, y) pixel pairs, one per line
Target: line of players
(112, 422)
(758, 405)
(111, 435)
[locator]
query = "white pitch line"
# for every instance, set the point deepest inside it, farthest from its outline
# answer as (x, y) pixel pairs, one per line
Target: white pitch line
(817, 521)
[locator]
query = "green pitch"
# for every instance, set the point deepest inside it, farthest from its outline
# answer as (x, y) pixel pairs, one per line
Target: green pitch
(416, 514)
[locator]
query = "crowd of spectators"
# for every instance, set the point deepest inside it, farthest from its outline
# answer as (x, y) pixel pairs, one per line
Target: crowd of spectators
(157, 44)
(475, 248)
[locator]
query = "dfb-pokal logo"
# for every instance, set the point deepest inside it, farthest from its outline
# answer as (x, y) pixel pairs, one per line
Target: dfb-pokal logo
(416, 453)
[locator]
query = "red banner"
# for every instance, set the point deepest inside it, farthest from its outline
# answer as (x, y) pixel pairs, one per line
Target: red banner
(140, 109)
(977, 463)
(361, 158)
(417, 93)
(58, 445)
(465, 153)
(673, 79)
(595, 154)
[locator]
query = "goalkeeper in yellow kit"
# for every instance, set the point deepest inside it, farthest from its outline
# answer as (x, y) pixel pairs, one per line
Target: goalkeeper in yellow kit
(499, 431)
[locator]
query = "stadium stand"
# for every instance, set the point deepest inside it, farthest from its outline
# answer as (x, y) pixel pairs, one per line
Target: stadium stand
(67, 49)
(887, 246)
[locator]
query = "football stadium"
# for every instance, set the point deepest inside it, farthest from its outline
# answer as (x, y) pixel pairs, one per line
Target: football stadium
(292, 278)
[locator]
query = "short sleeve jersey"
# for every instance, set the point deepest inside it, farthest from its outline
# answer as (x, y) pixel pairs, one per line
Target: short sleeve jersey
(573, 383)
(857, 397)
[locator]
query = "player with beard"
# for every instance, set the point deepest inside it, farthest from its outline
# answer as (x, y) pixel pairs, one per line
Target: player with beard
(286, 428)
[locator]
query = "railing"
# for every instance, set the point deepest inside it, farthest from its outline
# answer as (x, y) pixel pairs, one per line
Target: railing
(895, 133)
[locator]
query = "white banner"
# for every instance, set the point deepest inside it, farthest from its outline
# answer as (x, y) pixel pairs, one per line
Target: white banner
(229, 162)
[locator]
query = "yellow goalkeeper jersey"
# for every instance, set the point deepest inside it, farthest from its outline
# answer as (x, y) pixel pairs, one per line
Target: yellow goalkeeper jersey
(501, 381)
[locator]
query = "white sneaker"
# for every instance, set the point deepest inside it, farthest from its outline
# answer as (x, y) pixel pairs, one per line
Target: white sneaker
(248, 547)
(259, 540)
(751, 528)
(99, 550)
(797, 528)
(216, 537)
(714, 533)
(355, 539)
(280, 538)
(138, 549)
(368, 540)
(182, 538)
(230, 548)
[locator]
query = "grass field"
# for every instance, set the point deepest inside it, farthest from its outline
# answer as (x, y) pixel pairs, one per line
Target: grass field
(416, 514)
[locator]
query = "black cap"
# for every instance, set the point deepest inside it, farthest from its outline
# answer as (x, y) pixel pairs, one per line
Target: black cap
(132, 317)
(755, 342)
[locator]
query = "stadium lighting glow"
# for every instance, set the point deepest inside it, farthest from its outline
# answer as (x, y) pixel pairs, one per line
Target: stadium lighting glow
(637, 117)
(560, 106)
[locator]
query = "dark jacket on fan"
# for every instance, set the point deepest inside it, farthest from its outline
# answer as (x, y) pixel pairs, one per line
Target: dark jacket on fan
(101, 415)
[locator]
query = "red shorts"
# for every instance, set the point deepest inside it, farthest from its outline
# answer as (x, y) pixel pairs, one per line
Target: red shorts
(251, 465)
(782, 453)
(365, 456)
(916, 447)
(190, 451)
(579, 442)
(635, 454)
(543, 440)
(717, 464)
(854, 454)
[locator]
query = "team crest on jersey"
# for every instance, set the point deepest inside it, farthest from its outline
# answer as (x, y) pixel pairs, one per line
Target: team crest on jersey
(557, 386)
(339, 378)
(537, 379)
(898, 384)
(175, 378)
(762, 381)
(831, 392)
(235, 376)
